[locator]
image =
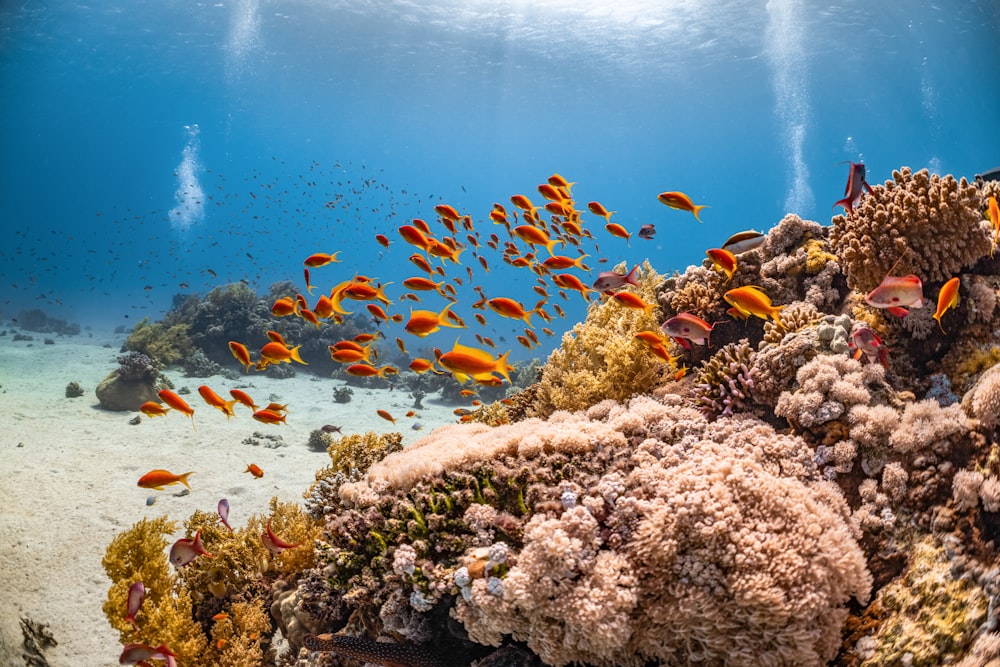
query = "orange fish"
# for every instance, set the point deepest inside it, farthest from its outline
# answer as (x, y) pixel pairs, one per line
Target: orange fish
(560, 182)
(177, 403)
(750, 300)
(422, 284)
(153, 409)
(425, 322)
(617, 230)
(598, 209)
(241, 354)
(414, 236)
(383, 240)
(466, 362)
(319, 259)
(243, 398)
(268, 416)
(254, 470)
(284, 307)
(947, 298)
(217, 402)
(630, 300)
(723, 260)
(569, 281)
(384, 414)
(421, 365)
(680, 202)
(523, 203)
(994, 210)
(510, 308)
(447, 212)
(278, 353)
(559, 262)
(157, 479)
(367, 370)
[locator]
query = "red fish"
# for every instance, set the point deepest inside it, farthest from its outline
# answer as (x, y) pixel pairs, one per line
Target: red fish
(273, 543)
(856, 186)
(689, 327)
(223, 509)
(136, 594)
(609, 280)
(896, 294)
(138, 653)
(185, 550)
(865, 341)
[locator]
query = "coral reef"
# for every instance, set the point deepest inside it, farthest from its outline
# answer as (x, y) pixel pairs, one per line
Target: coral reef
(903, 225)
(74, 390)
(600, 358)
(164, 344)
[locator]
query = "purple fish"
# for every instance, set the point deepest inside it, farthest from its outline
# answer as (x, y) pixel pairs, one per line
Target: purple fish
(224, 513)
(609, 280)
(185, 550)
(855, 186)
(136, 594)
(646, 232)
(134, 653)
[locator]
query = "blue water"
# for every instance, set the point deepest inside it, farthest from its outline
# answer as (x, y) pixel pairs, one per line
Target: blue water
(146, 143)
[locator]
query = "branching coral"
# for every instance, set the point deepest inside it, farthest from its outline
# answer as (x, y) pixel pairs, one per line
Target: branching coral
(916, 223)
(827, 388)
(600, 357)
(983, 400)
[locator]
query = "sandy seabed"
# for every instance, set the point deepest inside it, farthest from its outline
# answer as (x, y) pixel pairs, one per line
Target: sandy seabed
(68, 473)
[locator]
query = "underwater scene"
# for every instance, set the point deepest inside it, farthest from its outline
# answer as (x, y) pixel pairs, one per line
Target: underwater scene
(467, 333)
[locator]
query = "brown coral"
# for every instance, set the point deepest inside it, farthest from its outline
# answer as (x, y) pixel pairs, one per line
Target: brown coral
(931, 225)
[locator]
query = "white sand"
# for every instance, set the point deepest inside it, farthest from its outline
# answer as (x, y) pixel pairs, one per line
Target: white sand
(68, 473)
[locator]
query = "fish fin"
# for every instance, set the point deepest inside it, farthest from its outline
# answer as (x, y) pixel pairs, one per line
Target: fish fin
(502, 367)
(182, 479)
(696, 210)
(296, 356)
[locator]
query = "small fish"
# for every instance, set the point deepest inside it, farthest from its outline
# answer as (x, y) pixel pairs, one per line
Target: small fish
(598, 209)
(267, 416)
(510, 308)
(865, 341)
(221, 616)
(856, 186)
(243, 398)
(138, 653)
(416, 426)
(157, 479)
(647, 231)
(150, 501)
(330, 428)
(750, 300)
(223, 509)
(217, 402)
(609, 280)
(689, 327)
(384, 414)
(680, 202)
(254, 470)
(241, 354)
(741, 242)
(630, 300)
(896, 294)
(723, 260)
(136, 594)
(153, 409)
(186, 550)
(277, 353)
(615, 229)
(994, 211)
(273, 543)
(319, 259)
(947, 298)
(425, 322)
(470, 362)
(177, 403)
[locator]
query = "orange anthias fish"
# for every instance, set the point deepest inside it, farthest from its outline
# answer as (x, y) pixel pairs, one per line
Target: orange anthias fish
(217, 402)
(177, 403)
(723, 260)
(630, 300)
(896, 294)
(598, 209)
(947, 298)
(994, 211)
(680, 202)
(254, 470)
(384, 414)
(241, 354)
(136, 594)
(501, 305)
(277, 353)
(535, 236)
(617, 230)
(267, 416)
(425, 322)
(157, 479)
(153, 409)
(243, 398)
(466, 362)
(319, 259)
(186, 550)
(750, 300)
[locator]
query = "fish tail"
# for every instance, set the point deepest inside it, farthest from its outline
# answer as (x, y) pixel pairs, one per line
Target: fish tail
(774, 313)
(230, 412)
(296, 356)
(502, 367)
(697, 209)
(183, 479)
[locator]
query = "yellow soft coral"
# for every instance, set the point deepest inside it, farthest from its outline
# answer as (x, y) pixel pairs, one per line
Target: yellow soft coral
(162, 343)
(600, 357)
(166, 616)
